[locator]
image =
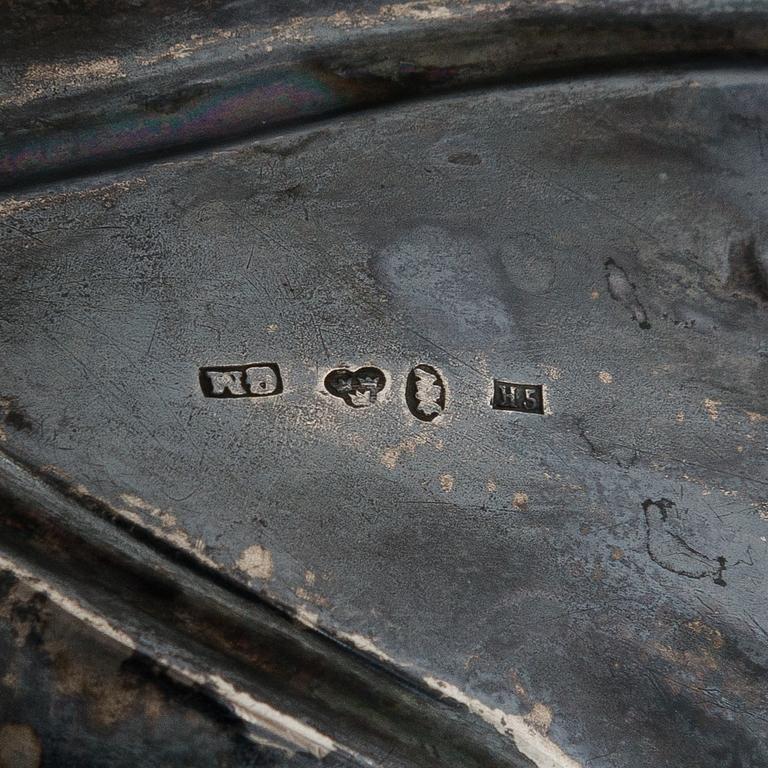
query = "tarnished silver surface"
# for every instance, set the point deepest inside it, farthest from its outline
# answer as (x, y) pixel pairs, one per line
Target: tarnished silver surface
(428, 435)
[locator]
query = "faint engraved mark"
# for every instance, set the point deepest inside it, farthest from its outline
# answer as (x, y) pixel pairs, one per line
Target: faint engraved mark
(668, 549)
(748, 269)
(524, 398)
(425, 393)
(625, 292)
(359, 388)
(254, 380)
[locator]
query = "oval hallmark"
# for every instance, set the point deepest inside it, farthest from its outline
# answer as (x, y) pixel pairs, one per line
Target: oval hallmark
(425, 392)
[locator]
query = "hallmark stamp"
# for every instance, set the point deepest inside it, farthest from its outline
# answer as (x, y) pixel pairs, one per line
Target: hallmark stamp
(425, 392)
(357, 389)
(524, 398)
(255, 380)
(425, 389)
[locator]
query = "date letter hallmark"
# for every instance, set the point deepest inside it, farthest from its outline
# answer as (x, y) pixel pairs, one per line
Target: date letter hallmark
(523, 398)
(256, 380)
(425, 393)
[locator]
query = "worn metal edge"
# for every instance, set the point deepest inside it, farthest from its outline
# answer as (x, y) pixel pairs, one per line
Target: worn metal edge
(289, 682)
(239, 85)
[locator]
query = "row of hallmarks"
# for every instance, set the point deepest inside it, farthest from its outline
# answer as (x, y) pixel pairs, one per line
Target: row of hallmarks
(425, 391)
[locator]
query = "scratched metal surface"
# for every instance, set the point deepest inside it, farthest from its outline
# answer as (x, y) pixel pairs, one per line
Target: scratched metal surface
(599, 569)
(368, 563)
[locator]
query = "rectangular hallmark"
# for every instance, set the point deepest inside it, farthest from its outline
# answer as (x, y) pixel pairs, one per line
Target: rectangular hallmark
(524, 398)
(253, 380)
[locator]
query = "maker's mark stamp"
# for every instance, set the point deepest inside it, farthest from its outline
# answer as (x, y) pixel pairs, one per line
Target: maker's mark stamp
(425, 392)
(255, 380)
(524, 398)
(359, 388)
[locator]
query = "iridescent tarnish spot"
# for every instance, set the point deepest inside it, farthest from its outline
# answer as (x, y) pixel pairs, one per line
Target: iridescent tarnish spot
(359, 388)
(254, 380)
(425, 393)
